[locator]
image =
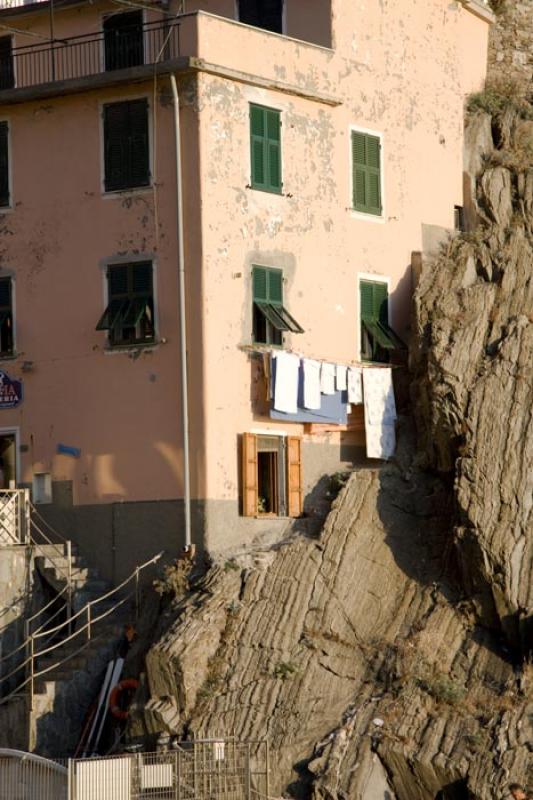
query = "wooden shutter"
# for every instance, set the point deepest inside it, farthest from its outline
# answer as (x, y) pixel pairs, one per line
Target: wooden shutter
(7, 73)
(257, 145)
(260, 287)
(294, 476)
(142, 278)
(138, 151)
(4, 164)
(249, 475)
(273, 144)
(275, 286)
(380, 302)
(366, 163)
(367, 300)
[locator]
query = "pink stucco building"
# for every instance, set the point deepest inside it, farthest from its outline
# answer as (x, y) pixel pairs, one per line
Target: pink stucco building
(321, 142)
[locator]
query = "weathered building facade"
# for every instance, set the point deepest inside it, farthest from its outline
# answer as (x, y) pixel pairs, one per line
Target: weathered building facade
(317, 138)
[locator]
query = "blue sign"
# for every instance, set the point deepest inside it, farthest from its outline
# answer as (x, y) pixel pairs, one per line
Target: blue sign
(11, 391)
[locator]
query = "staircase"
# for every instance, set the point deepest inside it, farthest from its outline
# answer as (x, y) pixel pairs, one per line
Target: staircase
(70, 676)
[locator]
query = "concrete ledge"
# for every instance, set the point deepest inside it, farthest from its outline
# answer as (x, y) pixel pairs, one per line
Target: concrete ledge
(479, 9)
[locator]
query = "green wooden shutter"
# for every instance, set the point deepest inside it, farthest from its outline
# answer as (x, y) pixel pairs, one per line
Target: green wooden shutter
(5, 294)
(265, 148)
(4, 164)
(142, 278)
(117, 277)
(275, 286)
(260, 288)
(126, 150)
(366, 163)
(367, 300)
(381, 303)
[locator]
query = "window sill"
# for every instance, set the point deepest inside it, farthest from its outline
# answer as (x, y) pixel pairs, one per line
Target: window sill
(256, 347)
(275, 192)
(130, 349)
(9, 356)
(6, 209)
(119, 193)
(367, 217)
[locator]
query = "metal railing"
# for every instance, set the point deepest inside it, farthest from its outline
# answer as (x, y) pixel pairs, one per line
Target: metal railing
(202, 769)
(79, 628)
(89, 55)
(14, 516)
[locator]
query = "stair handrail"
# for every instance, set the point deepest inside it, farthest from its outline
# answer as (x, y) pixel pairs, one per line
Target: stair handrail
(30, 619)
(29, 643)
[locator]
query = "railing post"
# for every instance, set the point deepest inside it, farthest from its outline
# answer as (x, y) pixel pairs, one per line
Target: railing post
(69, 585)
(248, 793)
(27, 518)
(70, 781)
(137, 593)
(178, 775)
(32, 671)
(88, 622)
(267, 759)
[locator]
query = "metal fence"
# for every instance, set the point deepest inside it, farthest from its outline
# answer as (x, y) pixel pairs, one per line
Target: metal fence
(88, 55)
(14, 516)
(207, 769)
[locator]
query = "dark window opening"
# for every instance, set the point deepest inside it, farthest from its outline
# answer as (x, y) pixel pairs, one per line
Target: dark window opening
(267, 14)
(7, 72)
(459, 218)
(271, 478)
(126, 145)
(129, 315)
(270, 317)
(6, 317)
(4, 164)
(8, 461)
(378, 339)
(123, 41)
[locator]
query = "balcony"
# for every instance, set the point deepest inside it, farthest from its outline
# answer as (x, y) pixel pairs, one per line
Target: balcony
(196, 41)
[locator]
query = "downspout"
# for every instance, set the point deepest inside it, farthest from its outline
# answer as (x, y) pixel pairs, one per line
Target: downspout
(183, 327)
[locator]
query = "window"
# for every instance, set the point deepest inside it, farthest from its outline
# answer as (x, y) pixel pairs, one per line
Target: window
(267, 14)
(7, 73)
(129, 316)
(123, 40)
(6, 317)
(270, 318)
(126, 149)
(265, 147)
(271, 476)
(366, 166)
(377, 338)
(459, 218)
(42, 488)
(4, 165)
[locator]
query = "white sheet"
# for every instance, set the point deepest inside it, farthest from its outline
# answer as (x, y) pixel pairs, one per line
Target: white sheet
(286, 388)
(380, 412)
(327, 378)
(311, 383)
(340, 377)
(355, 385)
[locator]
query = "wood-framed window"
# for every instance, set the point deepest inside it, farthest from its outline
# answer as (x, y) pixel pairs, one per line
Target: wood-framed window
(6, 317)
(7, 71)
(270, 317)
(129, 315)
(5, 198)
(271, 475)
(126, 145)
(123, 40)
(267, 14)
(377, 337)
(265, 148)
(366, 169)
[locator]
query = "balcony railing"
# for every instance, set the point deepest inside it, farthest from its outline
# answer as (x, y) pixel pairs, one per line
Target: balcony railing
(89, 55)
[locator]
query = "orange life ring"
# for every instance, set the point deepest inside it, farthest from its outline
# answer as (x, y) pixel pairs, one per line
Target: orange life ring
(128, 684)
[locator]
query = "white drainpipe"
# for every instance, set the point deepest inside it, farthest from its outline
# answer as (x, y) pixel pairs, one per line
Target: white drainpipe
(182, 320)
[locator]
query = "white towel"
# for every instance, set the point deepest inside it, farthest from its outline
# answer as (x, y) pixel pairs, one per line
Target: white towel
(327, 378)
(340, 377)
(380, 412)
(355, 386)
(286, 388)
(311, 383)
(380, 406)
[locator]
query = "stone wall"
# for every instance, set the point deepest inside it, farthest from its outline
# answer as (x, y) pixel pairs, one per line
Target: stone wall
(510, 53)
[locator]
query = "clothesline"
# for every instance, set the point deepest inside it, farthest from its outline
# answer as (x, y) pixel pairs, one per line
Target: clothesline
(261, 350)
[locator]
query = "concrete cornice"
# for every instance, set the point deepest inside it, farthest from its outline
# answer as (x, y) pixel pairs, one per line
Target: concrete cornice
(479, 9)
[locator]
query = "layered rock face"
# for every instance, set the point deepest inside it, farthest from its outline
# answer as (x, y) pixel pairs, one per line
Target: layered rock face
(473, 362)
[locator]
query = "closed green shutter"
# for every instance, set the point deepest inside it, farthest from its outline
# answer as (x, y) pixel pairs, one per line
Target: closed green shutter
(265, 147)
(126, 149)
(4, 164)
(367, 300)
(381, 303)
(260, 289)
(118, 280)
(366, 164)
(275, 286)
(142, 278)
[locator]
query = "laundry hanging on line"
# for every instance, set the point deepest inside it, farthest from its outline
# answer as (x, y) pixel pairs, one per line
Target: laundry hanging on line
(380, 412)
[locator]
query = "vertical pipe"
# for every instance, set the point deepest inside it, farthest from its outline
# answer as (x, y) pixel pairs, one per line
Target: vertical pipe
(182, 320)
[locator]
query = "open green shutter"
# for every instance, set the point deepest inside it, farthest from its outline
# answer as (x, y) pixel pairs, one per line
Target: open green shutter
(260, 289)
(275, 286)
(380, 302)
(367, 300)
(4, 164)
